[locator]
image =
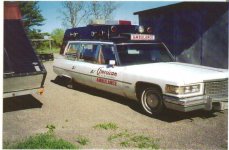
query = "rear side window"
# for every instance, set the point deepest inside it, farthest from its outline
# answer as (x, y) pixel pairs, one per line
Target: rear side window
(89, 52)
(82, 52)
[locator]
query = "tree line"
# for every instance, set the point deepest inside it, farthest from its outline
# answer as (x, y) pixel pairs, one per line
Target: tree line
(72, 14)
(75, 13)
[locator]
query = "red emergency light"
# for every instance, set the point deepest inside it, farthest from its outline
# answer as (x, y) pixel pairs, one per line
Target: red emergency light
(118, 22)
(124, 22)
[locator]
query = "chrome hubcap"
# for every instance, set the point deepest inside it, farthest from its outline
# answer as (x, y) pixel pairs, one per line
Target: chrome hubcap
(151, 100)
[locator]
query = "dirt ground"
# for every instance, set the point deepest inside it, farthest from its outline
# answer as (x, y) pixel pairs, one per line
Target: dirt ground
(75, 111)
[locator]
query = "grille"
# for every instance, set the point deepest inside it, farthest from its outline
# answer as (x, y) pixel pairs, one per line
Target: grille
(217, 90)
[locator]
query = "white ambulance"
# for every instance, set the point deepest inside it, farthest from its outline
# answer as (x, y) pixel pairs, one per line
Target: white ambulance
(126, 60)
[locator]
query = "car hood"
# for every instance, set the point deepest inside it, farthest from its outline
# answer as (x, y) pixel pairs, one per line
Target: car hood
(177, 73)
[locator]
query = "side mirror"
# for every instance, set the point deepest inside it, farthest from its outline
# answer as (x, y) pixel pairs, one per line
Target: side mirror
(112, 63)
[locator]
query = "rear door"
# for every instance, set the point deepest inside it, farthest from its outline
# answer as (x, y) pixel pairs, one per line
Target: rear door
(86, 62)
(65, 64)
(80, 57)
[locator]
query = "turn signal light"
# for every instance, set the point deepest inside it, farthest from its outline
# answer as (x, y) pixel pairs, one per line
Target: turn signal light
(40, 91)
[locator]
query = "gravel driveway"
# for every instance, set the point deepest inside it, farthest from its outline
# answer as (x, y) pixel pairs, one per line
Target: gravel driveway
(75, 111)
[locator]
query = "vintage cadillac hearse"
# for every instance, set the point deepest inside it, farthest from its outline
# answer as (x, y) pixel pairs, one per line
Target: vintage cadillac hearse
(126, 60)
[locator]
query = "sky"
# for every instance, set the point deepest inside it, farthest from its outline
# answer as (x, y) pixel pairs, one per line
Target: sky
(51, 12)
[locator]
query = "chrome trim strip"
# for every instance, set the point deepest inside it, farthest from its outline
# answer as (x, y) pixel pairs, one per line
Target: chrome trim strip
(93, 75)
(186, 101)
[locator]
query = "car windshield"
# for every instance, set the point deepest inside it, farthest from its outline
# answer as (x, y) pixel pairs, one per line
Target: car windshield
(131, 54)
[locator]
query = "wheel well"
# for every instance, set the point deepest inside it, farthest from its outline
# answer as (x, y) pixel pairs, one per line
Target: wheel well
(66, 76)
(140, 86)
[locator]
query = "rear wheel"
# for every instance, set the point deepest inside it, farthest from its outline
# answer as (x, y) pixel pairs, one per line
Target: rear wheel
(64, 81)
(151, 101)
(69, 83)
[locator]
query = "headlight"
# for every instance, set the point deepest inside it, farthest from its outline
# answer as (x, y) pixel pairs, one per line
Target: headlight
(182, 89)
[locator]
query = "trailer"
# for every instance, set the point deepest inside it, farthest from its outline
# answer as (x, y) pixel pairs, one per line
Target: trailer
(23, 71)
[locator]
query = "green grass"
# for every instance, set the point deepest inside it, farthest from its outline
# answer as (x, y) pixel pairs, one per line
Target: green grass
(50, 128)
(82, 140)
(125, 143)
(142, 141)
(6, 144)
(41, 141)
(123, 134)
(224, 146)
(126, 139)
(106, 126)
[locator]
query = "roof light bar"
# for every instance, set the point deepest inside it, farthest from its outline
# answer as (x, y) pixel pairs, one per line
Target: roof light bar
(118, 22)
(124, 22)
(97, 22)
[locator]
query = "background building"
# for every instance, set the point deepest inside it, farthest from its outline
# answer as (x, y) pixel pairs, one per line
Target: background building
(195, 32)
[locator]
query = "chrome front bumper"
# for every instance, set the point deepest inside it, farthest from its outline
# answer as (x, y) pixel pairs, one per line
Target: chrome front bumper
(195, 103)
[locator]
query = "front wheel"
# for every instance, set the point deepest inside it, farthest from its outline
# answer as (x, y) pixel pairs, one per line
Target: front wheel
(151, 101)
